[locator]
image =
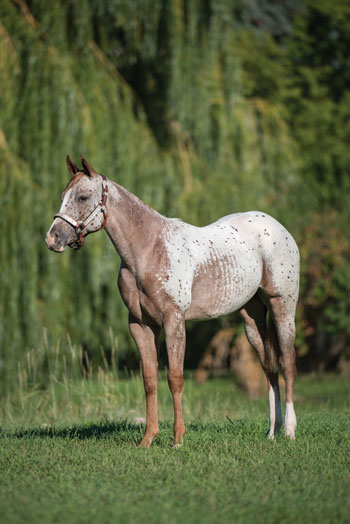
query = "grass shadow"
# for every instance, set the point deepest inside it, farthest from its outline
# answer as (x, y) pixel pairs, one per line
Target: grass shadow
(120, 431)
(125, 432)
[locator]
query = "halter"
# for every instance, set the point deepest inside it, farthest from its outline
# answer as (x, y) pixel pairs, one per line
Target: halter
(81, 225)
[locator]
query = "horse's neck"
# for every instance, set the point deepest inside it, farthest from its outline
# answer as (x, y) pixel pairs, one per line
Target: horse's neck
(132, 226)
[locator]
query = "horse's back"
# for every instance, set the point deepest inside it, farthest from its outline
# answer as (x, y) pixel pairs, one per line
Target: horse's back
(270, 238)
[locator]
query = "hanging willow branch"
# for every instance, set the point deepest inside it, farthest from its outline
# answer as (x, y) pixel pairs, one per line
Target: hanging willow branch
(110, 79)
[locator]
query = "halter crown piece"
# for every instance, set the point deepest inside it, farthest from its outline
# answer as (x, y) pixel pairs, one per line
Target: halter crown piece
(81, 226)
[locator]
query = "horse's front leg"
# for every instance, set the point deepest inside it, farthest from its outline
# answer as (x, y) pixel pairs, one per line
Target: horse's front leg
(146, 338)
(175, 338)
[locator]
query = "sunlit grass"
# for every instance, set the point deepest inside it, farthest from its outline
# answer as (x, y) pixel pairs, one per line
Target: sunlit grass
(73, 392)
(68, 451)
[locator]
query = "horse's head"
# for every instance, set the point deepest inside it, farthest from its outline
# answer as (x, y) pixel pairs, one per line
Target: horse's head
(83, 209)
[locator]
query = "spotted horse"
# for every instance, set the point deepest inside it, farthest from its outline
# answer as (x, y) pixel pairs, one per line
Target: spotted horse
(172, 271)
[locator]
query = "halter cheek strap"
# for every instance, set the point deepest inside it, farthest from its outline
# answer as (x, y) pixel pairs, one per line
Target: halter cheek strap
(81, 225)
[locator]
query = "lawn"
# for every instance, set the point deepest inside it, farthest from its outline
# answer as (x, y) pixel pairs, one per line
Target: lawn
(68, 454)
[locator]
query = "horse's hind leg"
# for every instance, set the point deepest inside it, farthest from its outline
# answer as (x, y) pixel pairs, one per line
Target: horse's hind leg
(271, 369)
(283, 316)
(262, 337)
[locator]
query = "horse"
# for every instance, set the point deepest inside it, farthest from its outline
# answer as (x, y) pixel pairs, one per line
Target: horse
(172, 271)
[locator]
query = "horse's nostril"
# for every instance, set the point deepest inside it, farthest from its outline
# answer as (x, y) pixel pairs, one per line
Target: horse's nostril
(52, 237)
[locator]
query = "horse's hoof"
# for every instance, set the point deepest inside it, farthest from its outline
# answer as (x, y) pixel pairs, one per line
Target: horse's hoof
(290, 435)
(272, 434)
(178, 442)
(145, 443)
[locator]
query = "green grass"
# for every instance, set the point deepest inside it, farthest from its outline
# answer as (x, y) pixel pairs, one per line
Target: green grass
(68, 454)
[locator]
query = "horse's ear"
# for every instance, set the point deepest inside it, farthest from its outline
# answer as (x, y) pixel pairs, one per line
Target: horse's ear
(72, 168)
(87, 168)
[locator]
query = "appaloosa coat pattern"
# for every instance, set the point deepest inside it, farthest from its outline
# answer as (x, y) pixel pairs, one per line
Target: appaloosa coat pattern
(172, 271)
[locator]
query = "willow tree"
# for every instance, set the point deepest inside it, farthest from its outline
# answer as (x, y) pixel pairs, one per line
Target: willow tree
(154, 94)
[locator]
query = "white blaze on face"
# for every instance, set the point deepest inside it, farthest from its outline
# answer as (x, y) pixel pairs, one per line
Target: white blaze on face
(65, 202)
(63, 211)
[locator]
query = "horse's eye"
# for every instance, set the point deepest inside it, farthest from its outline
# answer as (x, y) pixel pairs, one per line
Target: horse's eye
(82, 198)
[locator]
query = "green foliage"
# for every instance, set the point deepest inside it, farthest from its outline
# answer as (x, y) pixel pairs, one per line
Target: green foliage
(62, 107)
(198, 108)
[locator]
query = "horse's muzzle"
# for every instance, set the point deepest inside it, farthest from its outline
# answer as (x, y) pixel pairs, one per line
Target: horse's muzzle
(54, 244)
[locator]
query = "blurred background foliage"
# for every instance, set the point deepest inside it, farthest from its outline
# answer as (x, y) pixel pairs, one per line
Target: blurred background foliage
(202, 108)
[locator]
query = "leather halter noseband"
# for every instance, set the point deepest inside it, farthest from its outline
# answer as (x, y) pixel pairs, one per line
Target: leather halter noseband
(81, 225)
